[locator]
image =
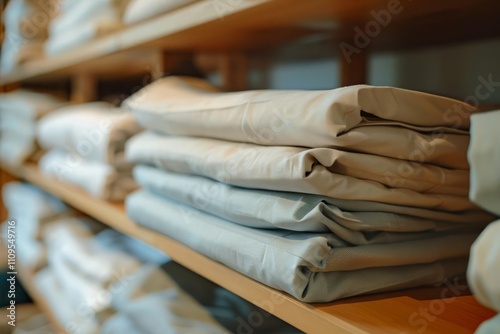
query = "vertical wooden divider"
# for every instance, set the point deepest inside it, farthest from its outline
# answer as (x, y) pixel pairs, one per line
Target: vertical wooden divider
(353, 71)
(234, 71)
(83, 88)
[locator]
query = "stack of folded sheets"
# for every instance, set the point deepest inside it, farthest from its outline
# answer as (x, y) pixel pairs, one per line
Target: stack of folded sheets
(19, 112)
(31, 210)
(139, 10)
(310, 192)
(26, 23)
(80, 21)
(86, 145)
(94, 286)
(484, 267)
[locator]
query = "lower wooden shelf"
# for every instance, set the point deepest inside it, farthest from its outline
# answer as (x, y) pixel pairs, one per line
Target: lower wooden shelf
(422, 310)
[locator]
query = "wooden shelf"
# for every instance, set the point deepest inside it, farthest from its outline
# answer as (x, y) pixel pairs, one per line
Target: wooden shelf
(225, 26)
(26, 277)
(396, 312)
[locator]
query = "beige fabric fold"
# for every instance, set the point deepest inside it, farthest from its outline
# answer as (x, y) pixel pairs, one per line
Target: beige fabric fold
(191, 107)
(280, 168)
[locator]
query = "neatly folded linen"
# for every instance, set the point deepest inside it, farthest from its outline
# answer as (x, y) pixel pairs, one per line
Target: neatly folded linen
(24, 31)
(484, 270)
(87, 256)
(139, 10)
(483, 274)
(276, 168)
(75, 13)
(81, 21)
(18, 196)
(79, 35)
(156, 304)
(27, 106)
(302, 264)
(98, 179)
(484, 159)
(185, 106)
(95, 131)
(67, 314)
(292, 211)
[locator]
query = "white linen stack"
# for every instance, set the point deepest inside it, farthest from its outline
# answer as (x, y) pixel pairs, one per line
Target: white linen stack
(81, 21)
(86, 145)
(26, 23)
(140, 10)
(310, 192)
(19, 112)
(484, 267)
(31, 210)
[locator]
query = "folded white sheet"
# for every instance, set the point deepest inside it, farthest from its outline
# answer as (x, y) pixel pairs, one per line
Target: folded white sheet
(76, 247)
(67, 314)
(309, 266)
(296, 212)
(484, 159)
(139, 10)
(95, 131)
(118, 324)
(79, 35)
(156, 304)
(27, 106)
(281, 168)
(190, 107)
(483, 274)
(98, 179)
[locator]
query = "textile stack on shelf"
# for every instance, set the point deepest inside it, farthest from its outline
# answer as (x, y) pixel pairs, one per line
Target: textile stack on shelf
(19, 112)
(31, 210)
(81, 21)
(86, 144)
(309, 192)
(26, 23)
(484, 266)
(140, 10)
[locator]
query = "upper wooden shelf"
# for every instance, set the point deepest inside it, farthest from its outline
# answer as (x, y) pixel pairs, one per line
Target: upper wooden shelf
(397, 312)
(245, 25)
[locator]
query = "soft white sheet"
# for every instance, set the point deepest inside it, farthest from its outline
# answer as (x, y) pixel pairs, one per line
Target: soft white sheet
(296, 212)
(156, 304)
(191, 107)
(98, 179)
(95, 131)
(139, 10)
(279, 168)
(484, 159)
(308, 266)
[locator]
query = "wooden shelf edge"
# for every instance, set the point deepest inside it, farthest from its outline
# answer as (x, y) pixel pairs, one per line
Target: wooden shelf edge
(345, 316)
(26, 277)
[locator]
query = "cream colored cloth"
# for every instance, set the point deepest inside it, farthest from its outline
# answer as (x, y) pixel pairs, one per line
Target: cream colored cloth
(73, 320)
(139, 10)
(95, 131)
(74, 244)
(19, 112)
(416, 126)
(483, 274)
(25, 23)
(81, 21)
(311, 267)
(279, 168)
(297, 212)
(484, 159)
(98, 179)
(156, 304)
